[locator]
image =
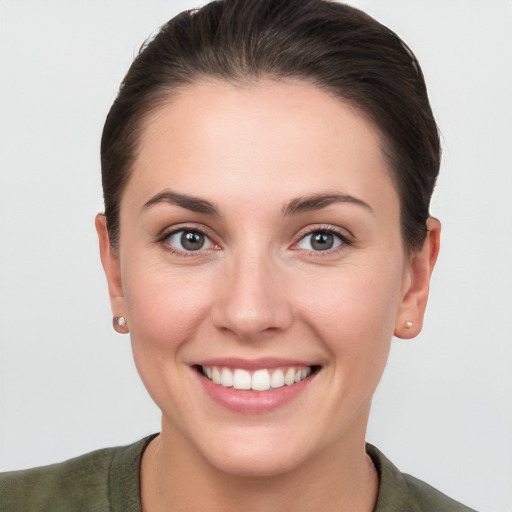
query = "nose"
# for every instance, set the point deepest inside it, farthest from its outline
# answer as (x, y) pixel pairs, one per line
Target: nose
(251, 301)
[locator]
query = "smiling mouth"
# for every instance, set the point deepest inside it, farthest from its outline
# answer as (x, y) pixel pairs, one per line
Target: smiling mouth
(259, 380)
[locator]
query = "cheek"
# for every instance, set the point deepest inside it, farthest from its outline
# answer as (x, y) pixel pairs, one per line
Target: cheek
(165, 310)
(354, 312)
(164, 306)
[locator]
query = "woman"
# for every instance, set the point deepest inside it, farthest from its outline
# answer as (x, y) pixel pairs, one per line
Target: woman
(267, 171)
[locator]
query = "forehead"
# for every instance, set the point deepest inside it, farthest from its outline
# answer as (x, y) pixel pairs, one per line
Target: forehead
(280, 139)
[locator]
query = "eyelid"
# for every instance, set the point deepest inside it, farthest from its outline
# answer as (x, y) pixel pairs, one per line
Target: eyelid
(347, 239)
(330, 228)
(172, 230)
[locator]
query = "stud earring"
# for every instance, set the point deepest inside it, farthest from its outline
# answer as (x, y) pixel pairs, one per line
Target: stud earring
(408, 324)
(120, 325)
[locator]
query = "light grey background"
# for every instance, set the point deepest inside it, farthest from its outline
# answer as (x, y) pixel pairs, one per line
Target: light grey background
(443, 411)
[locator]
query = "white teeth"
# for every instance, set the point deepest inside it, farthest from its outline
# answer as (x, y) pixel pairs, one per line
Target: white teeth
(289, 378)
(226, 377)
(216, 375)
(241, 379)
(260, 380)
(277, 379)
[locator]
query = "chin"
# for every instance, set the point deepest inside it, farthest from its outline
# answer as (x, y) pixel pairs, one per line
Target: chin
(250, 455)
(256, 463)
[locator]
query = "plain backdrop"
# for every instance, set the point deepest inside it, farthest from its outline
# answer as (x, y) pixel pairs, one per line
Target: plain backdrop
(443, 411)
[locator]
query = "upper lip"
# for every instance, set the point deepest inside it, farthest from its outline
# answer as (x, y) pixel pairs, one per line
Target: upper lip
(252, 364)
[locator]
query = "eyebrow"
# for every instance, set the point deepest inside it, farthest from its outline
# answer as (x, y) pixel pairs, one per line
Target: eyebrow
(294, 207)
(319, 201)
(194, 204)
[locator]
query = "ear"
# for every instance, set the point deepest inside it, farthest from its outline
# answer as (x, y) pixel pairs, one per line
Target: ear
(409, 319)
(111, 266)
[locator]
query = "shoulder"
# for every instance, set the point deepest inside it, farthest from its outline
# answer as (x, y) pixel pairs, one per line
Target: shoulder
(88, 482)
(399, 492)
(67, 484)
(432, 499)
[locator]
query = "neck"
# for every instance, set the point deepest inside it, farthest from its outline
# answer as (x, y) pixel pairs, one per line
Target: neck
(342, 479)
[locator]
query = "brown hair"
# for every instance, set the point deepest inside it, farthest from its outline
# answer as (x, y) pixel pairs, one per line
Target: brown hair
(333, 46)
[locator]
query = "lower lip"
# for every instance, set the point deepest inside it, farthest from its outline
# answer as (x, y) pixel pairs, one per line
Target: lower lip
(254, 402)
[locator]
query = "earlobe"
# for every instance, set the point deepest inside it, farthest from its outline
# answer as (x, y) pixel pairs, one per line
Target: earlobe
(409, 320)
(111, 266)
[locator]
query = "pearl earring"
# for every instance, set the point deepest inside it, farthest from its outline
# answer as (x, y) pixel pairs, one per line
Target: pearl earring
(408, 324)
(120, 325)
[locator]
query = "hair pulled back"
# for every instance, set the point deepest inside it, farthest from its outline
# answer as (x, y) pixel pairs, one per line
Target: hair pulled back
(333, 46)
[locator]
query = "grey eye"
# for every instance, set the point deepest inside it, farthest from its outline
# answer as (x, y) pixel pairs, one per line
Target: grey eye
(189, 240)
(320, 241)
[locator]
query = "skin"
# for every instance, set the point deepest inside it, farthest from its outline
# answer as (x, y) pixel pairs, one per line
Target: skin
(261, 290)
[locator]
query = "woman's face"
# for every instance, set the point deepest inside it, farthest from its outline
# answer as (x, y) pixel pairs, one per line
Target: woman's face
(260, 243)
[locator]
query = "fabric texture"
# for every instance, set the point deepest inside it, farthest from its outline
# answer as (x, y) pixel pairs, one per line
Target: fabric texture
(108, 481)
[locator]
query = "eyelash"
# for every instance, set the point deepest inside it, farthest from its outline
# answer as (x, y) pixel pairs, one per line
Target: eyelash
(345, 241)
(185, 229)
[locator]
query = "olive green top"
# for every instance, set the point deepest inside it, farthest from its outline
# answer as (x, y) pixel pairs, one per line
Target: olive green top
(108, 480)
